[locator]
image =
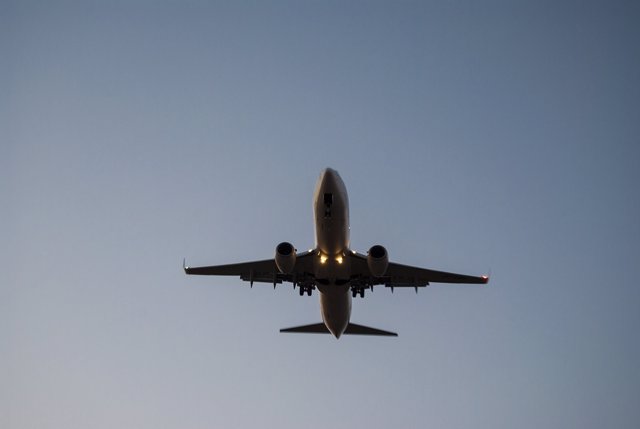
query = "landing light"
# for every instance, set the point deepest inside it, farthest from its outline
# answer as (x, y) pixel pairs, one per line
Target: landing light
(339, 259)
(323, 259)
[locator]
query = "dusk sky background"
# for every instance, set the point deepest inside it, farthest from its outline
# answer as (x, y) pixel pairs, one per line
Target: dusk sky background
(496, 136)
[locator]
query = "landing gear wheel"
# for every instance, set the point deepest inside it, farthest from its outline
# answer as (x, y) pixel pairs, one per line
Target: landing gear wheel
(362, 293)
(309, 291)
(301, 291)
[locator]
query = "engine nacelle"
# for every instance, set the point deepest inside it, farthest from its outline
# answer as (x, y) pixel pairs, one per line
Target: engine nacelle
(285, 257)
(377, 260)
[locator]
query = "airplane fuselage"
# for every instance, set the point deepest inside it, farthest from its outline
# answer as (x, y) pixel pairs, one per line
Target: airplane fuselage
(332, 270)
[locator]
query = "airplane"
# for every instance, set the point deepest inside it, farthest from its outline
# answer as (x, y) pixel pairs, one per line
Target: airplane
(332, 267)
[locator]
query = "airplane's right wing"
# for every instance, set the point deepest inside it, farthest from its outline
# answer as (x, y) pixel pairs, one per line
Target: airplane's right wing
(264, 271)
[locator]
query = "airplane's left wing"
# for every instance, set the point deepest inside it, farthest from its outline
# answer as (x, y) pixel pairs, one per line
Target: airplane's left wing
(398, 275)
(264, 271)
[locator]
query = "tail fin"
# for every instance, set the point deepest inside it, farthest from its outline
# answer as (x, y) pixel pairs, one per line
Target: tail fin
(352, 329)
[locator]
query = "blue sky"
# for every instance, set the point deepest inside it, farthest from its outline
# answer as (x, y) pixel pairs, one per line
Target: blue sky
(471, 136)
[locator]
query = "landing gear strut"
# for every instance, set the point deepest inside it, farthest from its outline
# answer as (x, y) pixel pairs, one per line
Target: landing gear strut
(307, 289)
(355, 291)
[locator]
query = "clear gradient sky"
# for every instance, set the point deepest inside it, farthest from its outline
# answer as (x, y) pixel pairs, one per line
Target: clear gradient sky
(472, 136)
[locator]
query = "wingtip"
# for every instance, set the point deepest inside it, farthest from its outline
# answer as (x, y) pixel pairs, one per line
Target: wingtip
(486, 277)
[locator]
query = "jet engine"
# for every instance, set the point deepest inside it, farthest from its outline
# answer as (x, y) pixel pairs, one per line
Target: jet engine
(285, 257)
(377, 260)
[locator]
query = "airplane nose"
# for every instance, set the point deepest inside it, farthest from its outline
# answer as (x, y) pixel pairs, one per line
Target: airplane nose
(329, 177)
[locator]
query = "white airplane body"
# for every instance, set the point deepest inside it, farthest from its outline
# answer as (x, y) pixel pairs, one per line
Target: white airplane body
(332, 267)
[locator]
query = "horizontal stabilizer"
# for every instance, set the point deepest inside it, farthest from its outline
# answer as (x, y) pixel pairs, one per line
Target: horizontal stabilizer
(352, 329)
(316, 328)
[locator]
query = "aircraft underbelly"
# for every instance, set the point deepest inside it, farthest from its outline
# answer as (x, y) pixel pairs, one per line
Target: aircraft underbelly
(335, 306)
(332, 236)
(332, 269)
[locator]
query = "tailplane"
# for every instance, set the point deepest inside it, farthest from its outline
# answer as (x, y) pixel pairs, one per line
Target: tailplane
(352, 329)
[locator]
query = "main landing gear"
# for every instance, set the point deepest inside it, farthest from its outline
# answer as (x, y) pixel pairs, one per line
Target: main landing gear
(307, 289)
(355, 291)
